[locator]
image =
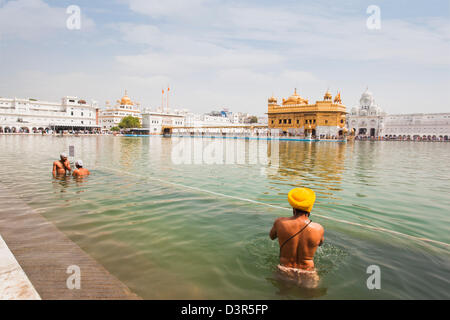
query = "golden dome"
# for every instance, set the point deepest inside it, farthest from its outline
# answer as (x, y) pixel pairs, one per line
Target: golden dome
(327, 96)
(126, 101)
(295, 99)
(272, 99)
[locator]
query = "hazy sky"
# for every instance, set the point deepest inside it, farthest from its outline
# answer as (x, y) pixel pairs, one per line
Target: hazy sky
(231, 54)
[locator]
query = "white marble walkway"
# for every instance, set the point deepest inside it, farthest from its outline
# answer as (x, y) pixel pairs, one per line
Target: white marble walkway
(14, 283)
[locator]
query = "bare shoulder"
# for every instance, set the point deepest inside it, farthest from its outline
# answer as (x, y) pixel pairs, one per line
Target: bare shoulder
(279, 221)
(317, 227)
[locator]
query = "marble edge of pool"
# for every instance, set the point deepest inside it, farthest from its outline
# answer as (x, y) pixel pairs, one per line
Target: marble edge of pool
(37, 261)
(14, 283)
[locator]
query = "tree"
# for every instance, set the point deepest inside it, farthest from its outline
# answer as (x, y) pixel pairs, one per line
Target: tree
(129, 122)
(115, 129)
(253, 119)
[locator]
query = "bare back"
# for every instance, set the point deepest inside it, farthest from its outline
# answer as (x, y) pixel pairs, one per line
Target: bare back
(299, 251)
(61, 167)
(81, 172)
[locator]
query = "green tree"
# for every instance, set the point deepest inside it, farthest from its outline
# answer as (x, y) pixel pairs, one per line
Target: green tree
(253, 119)
(129, 122)
(115, 129)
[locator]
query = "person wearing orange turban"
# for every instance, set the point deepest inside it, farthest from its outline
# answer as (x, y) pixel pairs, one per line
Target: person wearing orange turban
(302, 199)
(298, 238)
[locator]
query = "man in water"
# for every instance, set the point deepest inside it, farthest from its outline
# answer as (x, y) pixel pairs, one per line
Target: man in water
(60, 167)
(80, 171)
(299, 238)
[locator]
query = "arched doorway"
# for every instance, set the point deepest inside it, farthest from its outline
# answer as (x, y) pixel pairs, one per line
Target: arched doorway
(25, 129)
(13, 130)
(167, 131)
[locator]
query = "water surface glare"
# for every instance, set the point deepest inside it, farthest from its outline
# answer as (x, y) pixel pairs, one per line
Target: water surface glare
(164, 241)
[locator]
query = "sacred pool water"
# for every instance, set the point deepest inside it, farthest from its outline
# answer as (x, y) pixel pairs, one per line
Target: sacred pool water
(171, 225)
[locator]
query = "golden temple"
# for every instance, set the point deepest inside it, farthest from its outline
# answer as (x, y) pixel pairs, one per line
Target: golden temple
(296, 116)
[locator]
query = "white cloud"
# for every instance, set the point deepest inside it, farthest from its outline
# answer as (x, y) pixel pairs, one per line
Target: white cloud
(35, 19)
(157, 8)
(101, 87)
(140, 34)
(220, 53)
(342, 37)
(212, 59)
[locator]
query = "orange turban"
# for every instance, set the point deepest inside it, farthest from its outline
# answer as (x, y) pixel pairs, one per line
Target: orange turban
(302, 199)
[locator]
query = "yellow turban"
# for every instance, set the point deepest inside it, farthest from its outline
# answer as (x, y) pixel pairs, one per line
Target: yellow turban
(302, 199)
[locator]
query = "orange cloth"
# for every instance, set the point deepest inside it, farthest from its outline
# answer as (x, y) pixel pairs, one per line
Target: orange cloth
(302, 199)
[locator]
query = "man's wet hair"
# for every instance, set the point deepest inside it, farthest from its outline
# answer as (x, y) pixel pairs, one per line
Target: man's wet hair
(299, 212)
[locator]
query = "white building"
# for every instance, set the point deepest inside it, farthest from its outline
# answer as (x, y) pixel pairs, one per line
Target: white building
(205, 120)
(112, 115)
(429, 126)
(31, 115)
(367, 119)
(263, 120)
(154, 122)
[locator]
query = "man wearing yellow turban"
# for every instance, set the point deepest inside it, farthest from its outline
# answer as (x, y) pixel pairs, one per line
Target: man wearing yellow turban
(299, 238)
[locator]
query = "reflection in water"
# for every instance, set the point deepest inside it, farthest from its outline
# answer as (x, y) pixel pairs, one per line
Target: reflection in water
(129, 149)
(61, 182)
(80, 181)
(322, 160)
(367, 156)
(169, 242)
(319, 166)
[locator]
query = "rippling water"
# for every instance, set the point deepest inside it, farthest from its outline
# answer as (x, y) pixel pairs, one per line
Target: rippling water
(166, 241)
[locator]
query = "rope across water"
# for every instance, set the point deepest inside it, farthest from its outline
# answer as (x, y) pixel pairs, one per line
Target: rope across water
(280, 207)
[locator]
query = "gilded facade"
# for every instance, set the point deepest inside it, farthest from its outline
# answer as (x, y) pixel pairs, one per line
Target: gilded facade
(296, 116)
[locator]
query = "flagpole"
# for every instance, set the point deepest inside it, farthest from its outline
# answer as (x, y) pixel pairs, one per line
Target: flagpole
(168, 91)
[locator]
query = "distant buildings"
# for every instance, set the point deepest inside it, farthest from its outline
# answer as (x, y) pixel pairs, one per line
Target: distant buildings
(73, 114)
(296, 116)
(33, 116)
(112, 115)
(423, 126)
(233, 117)
(369, 121)
(156, 122)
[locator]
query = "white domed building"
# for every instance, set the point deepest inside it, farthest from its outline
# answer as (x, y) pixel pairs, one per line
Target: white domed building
(367, 119)
(111, 116)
